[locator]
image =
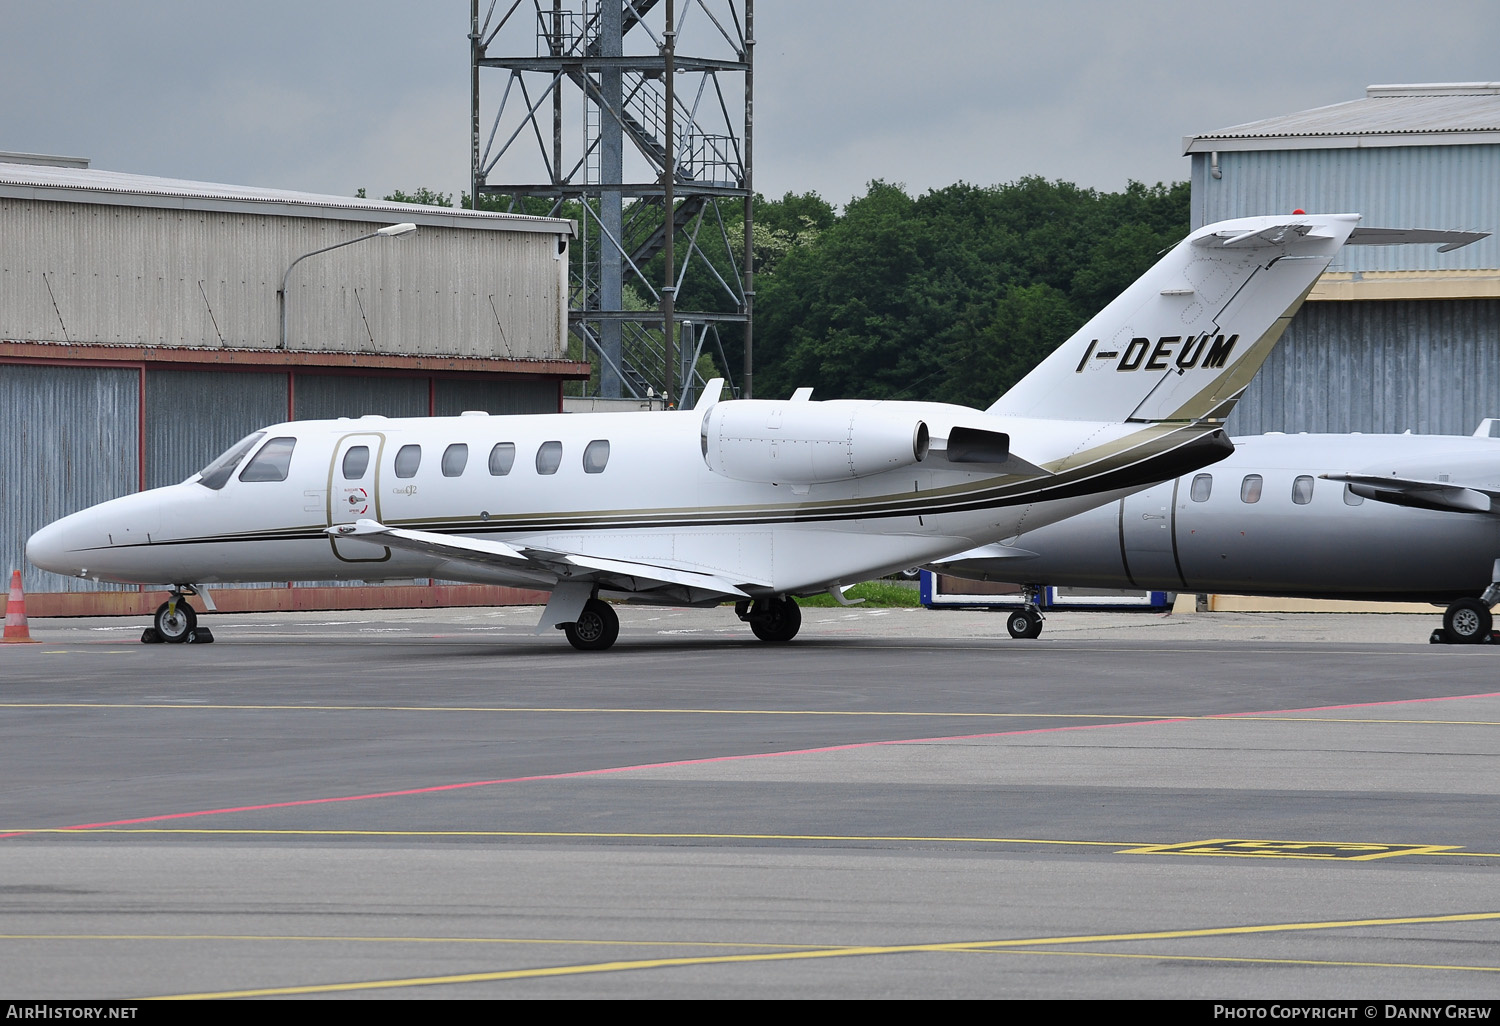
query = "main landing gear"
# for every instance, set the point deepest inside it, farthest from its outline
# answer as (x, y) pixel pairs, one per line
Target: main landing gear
(1026, 623)
(596, 628)
(1468, 621)
(176, 622)
(776, 620)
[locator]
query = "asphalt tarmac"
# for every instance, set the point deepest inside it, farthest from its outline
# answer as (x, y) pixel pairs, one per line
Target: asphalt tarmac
(897, 804)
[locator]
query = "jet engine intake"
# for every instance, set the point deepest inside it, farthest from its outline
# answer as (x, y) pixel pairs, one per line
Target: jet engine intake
(801, 443)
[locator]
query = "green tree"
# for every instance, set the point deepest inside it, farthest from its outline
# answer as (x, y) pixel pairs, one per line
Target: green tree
(956, 294)
(422, 195)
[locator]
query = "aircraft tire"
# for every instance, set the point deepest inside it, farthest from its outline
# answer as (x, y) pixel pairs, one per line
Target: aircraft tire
(175, 627)
(596, 628)
(1024, 624)
(781, 621)
(1468, 622)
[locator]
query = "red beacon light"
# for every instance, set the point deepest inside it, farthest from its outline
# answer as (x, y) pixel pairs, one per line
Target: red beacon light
(1299, 210)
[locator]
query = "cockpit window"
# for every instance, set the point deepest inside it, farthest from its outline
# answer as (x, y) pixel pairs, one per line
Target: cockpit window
(216, 473)
(272, 462)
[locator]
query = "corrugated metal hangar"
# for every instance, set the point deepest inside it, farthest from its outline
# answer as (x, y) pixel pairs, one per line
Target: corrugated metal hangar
(1390, 339)
(142, 332)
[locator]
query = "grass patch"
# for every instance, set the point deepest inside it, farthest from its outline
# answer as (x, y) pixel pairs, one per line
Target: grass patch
(875, 593)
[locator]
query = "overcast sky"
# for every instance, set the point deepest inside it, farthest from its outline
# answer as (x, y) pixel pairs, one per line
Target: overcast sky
(332, 95)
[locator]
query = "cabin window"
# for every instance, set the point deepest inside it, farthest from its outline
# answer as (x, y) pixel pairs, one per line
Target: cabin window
(1203, 484)
(1250, 488)
(216, 473)
(272, 462)
(408, 460)
(549, 457)
(1352, 498)
(356, 462)
(455, 458)
(502, 458)
(1302, 490)
(596, 456)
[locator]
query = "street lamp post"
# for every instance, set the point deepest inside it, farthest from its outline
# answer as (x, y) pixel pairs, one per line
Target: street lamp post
(390, 231)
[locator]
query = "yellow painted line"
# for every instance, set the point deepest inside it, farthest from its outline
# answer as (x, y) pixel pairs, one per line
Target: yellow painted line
(1255, 961)
(1265, 848)
(844, 952)
(1127, 847)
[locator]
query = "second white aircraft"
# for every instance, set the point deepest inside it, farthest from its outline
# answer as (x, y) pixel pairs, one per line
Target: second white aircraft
(753, 501)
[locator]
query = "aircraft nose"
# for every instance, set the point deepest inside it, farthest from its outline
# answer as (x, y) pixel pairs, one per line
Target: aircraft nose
(49, 549)
(100, 542)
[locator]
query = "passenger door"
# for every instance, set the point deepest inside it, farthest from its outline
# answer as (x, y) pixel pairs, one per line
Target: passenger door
(354, 494)
(1146, 524)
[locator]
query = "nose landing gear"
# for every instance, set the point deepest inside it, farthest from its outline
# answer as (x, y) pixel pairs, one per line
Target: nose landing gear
(176, 621)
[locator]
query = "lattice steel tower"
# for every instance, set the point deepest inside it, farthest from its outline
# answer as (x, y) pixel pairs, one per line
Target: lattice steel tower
(650, 111)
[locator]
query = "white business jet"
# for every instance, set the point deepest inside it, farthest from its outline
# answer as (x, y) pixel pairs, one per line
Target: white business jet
(753, 501)
(1287, 515)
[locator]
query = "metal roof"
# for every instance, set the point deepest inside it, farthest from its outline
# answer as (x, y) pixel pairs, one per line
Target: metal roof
(74, 184)
(1433, 114)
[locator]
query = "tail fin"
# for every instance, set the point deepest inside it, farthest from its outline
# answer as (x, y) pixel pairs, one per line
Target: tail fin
(1182, 342)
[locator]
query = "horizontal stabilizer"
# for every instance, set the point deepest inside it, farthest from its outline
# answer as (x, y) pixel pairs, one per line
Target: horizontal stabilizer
(1444, 496)
(1447, 240)
(1274, 235)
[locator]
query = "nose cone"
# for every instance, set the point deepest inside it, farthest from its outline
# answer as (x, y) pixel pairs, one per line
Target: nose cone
(48, 549)
(103, 542)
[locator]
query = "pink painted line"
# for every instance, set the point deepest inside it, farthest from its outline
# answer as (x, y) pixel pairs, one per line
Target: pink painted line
(1356, 705)
(576, 774)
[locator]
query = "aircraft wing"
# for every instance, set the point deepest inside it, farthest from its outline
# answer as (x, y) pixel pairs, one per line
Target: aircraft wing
(1446, 496)
(548, 565)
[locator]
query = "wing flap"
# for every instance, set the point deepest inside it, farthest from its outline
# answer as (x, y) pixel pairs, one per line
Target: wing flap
(656, 575)
(619, 574)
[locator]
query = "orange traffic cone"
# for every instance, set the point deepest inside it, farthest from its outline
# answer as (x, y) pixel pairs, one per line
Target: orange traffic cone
(16, 631)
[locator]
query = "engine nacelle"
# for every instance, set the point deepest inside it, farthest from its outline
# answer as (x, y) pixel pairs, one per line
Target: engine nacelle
(782, 441)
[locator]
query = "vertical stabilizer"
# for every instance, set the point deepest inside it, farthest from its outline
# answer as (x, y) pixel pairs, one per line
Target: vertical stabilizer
(1182, 342)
